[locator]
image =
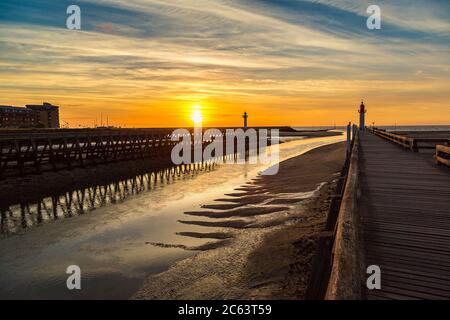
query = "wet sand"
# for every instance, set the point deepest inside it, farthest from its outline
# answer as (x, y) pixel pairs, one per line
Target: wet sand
(267, 238)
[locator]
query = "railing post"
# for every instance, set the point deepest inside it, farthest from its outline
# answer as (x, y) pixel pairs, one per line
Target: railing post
(349, 138)
(355, 130)
(414, 147)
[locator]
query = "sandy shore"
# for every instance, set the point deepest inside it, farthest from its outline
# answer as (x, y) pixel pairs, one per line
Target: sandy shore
(267, 236)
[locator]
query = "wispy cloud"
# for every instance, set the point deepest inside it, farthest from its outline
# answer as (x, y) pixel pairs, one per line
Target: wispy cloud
(261, 54)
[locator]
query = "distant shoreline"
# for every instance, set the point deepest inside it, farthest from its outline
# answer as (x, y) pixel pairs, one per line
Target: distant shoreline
(311, 134)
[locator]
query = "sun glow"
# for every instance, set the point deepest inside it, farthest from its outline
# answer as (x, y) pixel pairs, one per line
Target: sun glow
(197, 116)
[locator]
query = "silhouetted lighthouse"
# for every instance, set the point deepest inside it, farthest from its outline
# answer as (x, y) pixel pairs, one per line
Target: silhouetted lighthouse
(362, 116)
(245, 116)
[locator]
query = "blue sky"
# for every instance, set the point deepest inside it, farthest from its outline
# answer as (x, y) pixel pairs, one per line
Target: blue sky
(312, 58)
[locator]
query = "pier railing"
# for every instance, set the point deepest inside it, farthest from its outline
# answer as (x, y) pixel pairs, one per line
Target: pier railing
(410, 143)
(443, 154)
(344, 279)
(440, 145)
(335, 242)
(406, 142)
(25, 152)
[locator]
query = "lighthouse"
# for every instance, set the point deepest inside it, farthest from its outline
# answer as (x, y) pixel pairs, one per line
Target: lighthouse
(362, 116)
(245, 116)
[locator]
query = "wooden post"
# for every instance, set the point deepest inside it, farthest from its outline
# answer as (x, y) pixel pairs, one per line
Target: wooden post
(414, 147)
(349, 137)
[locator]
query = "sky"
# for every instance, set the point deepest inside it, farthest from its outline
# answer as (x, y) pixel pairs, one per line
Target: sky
(151, 63)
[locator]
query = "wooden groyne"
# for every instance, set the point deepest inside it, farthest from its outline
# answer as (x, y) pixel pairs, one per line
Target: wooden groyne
(34, 151)
(394, 214)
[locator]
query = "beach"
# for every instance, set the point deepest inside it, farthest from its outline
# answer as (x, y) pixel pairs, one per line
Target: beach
(122, 232)
(267, 239)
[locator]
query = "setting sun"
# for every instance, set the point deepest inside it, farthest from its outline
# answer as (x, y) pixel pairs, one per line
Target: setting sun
(197, 116)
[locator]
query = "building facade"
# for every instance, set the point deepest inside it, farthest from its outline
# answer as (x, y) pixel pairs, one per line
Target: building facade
(45, 115)
(48, 114)
(14, 117)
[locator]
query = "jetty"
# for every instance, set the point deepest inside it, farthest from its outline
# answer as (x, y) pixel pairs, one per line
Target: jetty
(392, 211)
(33, 151)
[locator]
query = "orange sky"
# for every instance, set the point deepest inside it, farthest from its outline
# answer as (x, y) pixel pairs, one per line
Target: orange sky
(263, 110)
(147, 63)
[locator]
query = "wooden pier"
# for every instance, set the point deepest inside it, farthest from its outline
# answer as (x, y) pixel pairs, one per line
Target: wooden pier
(30, 151)
(25, 152)
(405, 216)
(394, 213)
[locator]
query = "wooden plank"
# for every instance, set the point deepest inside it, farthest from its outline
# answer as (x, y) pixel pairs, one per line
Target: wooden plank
(444, 149)
(412, 292)
(406, 221)
(443, 161)
(411, 264)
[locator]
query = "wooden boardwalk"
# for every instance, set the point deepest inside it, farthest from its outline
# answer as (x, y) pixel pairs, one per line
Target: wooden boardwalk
(405, 213)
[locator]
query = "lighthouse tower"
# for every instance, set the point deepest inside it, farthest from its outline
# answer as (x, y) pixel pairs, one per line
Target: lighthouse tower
(362, 116)
(245, 116)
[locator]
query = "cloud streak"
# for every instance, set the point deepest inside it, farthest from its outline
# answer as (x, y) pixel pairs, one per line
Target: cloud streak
(142, 57)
